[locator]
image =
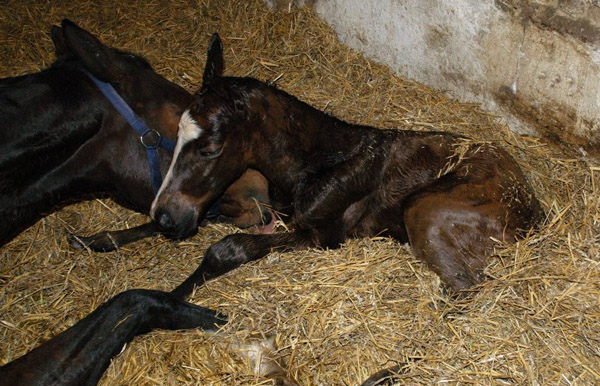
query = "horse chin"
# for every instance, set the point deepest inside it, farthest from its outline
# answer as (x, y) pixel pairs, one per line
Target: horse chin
(186, 227)
(184, 234)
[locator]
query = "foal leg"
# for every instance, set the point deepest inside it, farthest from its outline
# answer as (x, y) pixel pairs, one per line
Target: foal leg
(237, 249)
(246, 201)
(110, 240)
(453, 235)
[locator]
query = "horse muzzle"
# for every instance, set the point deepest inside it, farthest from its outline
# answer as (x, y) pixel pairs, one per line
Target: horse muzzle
(176, 218)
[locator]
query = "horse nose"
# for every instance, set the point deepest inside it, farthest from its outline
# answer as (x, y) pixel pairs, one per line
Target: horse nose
(165, 221)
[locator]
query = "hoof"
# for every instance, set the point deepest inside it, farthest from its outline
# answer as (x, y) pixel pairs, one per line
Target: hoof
(97, 243)
(265, 229)
(386, 377)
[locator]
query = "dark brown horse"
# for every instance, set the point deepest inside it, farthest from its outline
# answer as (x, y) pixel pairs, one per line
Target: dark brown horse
(61, 139)
(446, 195)
(79, 355)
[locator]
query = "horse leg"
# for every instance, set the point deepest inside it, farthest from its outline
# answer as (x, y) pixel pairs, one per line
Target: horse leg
(454, 234)
(247, 200)
(319, 224)
(107, 241)
(79, 355)
(246, 210)
(237, 249)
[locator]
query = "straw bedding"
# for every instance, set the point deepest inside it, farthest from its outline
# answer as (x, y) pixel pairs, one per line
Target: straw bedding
(336, 315)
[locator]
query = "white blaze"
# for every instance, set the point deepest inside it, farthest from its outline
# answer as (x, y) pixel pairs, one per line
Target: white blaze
(188, 131)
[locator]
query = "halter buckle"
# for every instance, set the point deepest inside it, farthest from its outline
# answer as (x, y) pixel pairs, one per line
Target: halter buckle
(150, 139)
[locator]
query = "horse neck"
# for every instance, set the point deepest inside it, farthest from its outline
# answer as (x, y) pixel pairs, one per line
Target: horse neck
(34, 144)
(298, 136)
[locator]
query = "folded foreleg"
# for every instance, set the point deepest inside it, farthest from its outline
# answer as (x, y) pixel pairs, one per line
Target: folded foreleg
(237, 249)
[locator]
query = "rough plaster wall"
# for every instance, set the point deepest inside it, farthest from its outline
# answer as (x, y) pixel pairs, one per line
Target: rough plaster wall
(537, 63)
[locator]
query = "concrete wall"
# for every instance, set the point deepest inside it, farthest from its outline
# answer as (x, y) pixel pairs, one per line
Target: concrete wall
(536, 62)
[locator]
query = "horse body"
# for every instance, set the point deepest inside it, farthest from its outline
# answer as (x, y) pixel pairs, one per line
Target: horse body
(357, 176)
(58, 142)
(444, 194)
(61, 138)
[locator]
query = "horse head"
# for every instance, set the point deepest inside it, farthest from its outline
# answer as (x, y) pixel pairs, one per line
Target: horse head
(156, 100)
(212, 149)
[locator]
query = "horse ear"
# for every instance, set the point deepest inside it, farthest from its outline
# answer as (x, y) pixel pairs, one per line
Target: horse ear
(214, 61)
(97, 58)
(58, 38)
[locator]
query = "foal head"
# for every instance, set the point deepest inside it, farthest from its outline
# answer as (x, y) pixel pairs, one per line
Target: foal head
(213, 148)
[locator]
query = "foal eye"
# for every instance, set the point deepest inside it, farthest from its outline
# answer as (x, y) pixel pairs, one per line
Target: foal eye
(211, 152)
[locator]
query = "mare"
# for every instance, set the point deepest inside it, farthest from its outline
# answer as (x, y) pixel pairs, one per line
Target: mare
(61, 139)
(449, 197)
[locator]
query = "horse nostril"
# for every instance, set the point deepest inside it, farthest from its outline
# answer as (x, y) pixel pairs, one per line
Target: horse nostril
(165, 221)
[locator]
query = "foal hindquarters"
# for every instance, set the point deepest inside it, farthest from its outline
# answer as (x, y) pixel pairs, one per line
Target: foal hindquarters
(453, 223)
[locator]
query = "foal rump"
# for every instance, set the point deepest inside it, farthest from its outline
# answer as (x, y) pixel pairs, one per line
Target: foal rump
(480, 198)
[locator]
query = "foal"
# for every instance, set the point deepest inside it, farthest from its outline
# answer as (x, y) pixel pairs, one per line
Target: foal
(444, 194)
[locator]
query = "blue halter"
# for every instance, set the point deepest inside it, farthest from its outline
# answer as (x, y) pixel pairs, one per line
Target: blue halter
(150, 139)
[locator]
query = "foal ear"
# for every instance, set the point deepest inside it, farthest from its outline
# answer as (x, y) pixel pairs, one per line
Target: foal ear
(97, 58)
(214, 61)
(58, 38)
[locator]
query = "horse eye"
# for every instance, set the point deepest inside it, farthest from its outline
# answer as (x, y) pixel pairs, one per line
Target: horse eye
(210, 152)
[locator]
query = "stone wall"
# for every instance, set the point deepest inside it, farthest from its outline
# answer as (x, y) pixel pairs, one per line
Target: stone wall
(534, 62)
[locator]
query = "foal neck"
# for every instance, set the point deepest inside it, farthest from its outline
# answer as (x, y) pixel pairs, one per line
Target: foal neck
(296, 136)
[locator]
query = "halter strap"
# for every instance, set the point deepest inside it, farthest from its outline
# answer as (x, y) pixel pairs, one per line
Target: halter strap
(150, 139)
